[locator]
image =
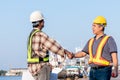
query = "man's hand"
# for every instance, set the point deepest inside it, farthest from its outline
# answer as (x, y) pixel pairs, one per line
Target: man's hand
(69, 54)
(114, 72)
(115, 65)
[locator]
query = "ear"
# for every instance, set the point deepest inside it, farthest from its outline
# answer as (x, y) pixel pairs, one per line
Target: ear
(101, 27)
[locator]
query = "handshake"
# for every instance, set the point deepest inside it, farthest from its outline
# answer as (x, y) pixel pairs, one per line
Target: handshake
(70, 55)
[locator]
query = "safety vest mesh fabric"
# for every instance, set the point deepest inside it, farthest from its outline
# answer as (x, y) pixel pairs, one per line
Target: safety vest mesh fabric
(98, 59)
(31, 59)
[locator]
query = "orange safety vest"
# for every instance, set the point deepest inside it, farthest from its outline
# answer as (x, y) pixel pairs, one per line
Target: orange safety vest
(98, 59)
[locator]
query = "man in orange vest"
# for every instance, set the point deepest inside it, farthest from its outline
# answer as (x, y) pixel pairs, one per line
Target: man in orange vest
(102, 51)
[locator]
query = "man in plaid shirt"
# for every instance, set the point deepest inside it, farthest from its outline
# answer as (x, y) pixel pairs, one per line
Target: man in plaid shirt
(39, 45)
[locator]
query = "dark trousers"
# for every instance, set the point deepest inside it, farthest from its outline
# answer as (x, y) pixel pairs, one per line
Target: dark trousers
(103, 73)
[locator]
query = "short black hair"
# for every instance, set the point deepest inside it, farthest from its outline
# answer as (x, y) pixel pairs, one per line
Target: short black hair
(103, 29)
(36, 23)
(103, 26)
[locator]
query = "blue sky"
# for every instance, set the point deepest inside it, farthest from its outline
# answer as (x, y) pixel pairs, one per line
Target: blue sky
(67, 21)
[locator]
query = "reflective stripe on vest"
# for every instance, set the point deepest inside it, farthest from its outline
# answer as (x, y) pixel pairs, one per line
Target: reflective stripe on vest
(98, 59)
(46, 59)
(31, 59)
(29, 51)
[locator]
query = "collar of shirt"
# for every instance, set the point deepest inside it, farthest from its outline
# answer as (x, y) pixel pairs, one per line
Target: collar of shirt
(100, 36)
(36, 28)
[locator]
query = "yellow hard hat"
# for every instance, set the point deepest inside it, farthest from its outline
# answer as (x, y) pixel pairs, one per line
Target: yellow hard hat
(100, 20)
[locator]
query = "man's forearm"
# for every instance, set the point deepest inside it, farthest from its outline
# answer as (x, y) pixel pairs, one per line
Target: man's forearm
(79, 55)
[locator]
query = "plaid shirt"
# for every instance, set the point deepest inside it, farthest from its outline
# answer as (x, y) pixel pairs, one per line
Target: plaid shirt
(41, 42)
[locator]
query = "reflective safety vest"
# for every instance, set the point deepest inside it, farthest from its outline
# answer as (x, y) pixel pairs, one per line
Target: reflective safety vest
(31, 59)
(98, 59)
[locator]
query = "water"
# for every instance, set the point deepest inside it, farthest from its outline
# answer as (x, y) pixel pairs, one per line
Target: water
(10, 78)
(20, 78)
